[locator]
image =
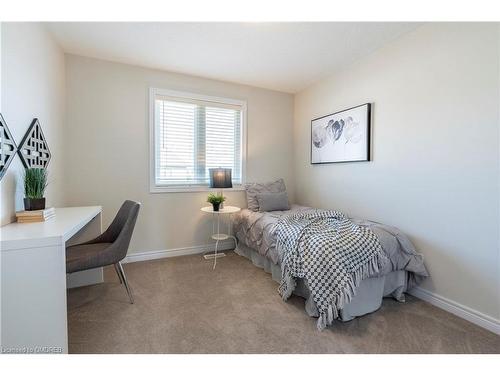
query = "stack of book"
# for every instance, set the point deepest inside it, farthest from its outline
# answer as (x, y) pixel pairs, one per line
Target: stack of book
(35, 216)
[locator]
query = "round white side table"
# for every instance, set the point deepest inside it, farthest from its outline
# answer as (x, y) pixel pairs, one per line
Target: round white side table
(217, 235)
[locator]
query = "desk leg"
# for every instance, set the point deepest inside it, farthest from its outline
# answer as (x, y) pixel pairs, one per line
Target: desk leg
(34, 300)
(88, 277)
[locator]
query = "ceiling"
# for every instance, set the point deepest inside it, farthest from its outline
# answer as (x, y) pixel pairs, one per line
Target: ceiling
(279, 56)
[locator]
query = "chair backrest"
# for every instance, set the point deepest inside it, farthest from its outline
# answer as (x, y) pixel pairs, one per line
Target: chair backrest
(121, 228)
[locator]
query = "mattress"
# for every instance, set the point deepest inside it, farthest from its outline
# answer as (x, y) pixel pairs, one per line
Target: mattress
(257, 242)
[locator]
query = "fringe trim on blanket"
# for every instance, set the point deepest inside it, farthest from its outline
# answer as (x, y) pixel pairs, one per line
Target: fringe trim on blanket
(345, 295)
(372, 267)
(287, 285)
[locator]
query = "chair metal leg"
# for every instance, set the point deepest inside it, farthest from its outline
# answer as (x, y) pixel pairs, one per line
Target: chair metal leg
(118, 273)
(124, 278)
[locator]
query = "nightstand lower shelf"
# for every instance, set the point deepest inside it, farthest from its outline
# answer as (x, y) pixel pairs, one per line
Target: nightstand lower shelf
(220, 237)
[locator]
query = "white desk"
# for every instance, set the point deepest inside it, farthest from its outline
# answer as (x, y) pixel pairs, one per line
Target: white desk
(33, 278)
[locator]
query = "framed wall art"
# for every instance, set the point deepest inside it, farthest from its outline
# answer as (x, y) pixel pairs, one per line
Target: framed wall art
(34, 150)
(8, 147)
(342, 136)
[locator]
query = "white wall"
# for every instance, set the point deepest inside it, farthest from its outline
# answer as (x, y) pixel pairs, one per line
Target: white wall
(435, 168)
(108, 147)
(32, 86)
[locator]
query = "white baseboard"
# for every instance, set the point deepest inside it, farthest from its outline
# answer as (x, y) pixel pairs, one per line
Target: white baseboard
(464, 312)
(159, 254)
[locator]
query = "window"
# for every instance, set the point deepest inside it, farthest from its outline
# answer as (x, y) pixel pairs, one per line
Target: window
(192, 133)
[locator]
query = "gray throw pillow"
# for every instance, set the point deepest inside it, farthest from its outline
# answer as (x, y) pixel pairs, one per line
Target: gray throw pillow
(273, 201)
(252, 189)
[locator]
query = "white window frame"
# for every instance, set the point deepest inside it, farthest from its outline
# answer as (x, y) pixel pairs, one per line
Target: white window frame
(153, 92)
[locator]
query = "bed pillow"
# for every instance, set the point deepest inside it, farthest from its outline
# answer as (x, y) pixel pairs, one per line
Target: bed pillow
(252, 189)
(273, 201)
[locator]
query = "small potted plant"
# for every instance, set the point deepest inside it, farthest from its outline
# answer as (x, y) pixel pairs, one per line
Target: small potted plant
(35, 182)
(216, 200)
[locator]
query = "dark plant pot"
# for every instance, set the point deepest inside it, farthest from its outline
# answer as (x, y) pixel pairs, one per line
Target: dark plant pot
(216, 206)
(33, 204)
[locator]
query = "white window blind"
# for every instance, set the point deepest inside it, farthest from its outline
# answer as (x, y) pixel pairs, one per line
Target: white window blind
(191, 136)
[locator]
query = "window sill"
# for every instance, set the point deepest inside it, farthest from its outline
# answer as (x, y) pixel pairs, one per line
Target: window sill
(189, 189)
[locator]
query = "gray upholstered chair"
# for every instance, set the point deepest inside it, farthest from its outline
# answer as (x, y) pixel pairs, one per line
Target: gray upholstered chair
(109, 248)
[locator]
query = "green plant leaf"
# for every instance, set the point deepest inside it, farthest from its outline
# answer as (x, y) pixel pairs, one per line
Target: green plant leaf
(215, 198)
(35, 182)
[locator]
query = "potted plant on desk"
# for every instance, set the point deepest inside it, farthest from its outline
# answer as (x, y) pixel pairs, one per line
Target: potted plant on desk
(215, 200)
(35, 182)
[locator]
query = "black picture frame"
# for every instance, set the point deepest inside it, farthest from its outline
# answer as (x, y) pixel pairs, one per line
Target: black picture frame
(368, 135)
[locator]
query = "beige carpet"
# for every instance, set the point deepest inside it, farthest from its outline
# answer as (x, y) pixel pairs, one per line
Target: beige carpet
(182, 306)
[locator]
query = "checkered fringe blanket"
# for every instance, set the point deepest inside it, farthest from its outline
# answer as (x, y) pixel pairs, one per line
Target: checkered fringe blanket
(331, 253)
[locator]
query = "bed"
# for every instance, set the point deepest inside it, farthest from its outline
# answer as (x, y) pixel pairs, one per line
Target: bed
(256, 234)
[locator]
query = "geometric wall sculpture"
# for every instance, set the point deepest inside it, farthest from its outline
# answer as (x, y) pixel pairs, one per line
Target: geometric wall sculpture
(8, 147)
(34, 150)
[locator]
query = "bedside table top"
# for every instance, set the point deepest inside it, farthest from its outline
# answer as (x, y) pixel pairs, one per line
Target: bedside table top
(225, 210)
